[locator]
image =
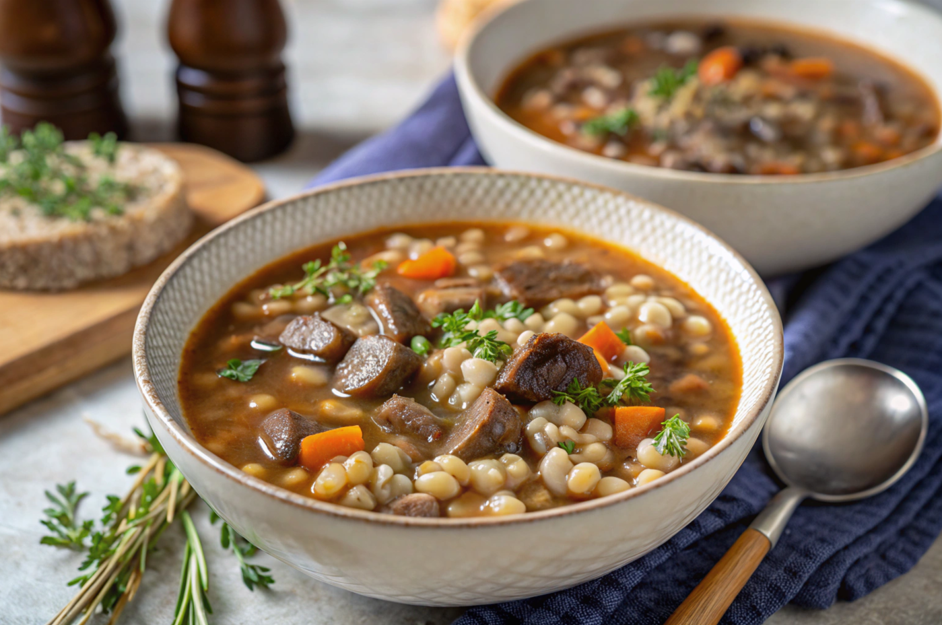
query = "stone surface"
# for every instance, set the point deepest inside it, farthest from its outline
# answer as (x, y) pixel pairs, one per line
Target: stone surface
(356, 67)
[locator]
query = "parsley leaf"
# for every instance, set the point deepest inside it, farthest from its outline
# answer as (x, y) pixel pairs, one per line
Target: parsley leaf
(625, 335)
(453, 326)
(569, 446)
(488, 346)
(634, 386)
(618, 123)
(339, 271)
(240, 371)
(511, 310)
(672, 439)
(588, 399)
(66, 532)
(668, 80)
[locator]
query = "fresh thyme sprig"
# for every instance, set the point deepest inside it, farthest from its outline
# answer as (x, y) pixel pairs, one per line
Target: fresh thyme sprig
(588, 398)
(672, 439)
(667, 80)
(618, 123)
(454, 327)
(62, 522)
(632, 387)
(252, 574)
(37, 168)
(339, 271)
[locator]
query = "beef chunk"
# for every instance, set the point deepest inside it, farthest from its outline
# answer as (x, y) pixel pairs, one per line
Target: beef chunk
(415, 505)
(375, 366)
(319, 337)
(489, 426)
(282, 431)
(547, 363)
(406, 416)
(536, 283)
(536, 497)
(450, 294)
(400, 316)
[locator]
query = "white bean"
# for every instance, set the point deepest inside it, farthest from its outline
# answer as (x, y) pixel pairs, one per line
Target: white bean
(649, 475)
(277, 307)
(554, 469)
(524, 337)
(420, 247)
(611, 485)
(531, 252)
(479, 371)
(473, 234)
(358, 497)
(379, 483)
(564, 305)
(695, 325)
(633, 353)
(452, 358)
(392, 456)
(503, 505)
(488, 476)
(481, 272)
(514, 325)
(517, 470)
(593, 452)
(649, 456)
(471, 258)
(456, 467)
(695, 447)
(359, 467)
(564, 323)
(330, 481)
(439, 485)
(429, 466)
(599, 429)
(569, 414)
(516, 233)
(398, 241)
(656, 314)
(590, 305)
(466, 393)
(443, 388)
(309, 376)
(556, 241)
(399, 485)
(619, 290)
(446, 242)
(310, 304)
(706, 423)
(642, 282)
(583, 478)
(535, 322)
(677, 310)
(617, 317)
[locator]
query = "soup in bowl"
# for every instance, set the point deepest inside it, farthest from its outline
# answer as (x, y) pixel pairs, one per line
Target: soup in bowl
(403, 406)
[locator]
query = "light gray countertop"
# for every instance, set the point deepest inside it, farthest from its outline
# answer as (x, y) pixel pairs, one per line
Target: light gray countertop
(356, 67)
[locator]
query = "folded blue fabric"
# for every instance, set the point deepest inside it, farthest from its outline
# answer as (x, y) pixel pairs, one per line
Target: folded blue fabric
(883, 303)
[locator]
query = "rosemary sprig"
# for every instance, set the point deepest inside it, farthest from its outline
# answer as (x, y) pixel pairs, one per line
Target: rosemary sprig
(339, 271)
(192, 603)
(62, 521)
(252, 574)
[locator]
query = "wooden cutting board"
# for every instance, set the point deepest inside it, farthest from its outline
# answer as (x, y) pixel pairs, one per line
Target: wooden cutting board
(48, 339)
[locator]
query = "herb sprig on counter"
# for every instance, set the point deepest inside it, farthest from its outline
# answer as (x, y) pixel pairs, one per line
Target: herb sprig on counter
(487, 346)
(37, 168)
(339, 271)
(129, 529)
(66, 531)
(667, 80)
(633, 387)
(618, 123)
(672, 439)
(252, 574)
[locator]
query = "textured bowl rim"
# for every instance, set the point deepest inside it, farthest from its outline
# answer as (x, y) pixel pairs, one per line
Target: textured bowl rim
(189, 444)
(471, 89)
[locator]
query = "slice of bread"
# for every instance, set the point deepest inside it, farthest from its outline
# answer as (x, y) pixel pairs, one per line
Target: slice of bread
(38, 252)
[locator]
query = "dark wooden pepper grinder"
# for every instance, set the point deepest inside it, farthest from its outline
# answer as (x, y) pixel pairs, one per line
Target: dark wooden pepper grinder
(56, 66)
(231, 80)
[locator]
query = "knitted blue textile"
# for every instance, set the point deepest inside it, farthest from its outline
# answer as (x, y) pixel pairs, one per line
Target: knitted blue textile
(882, 303)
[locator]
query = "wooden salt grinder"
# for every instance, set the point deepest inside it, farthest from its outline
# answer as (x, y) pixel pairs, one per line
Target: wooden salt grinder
(231, 80)
(56, 66)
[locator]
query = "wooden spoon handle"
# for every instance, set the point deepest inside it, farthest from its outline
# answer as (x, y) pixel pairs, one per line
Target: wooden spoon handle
(709, 601)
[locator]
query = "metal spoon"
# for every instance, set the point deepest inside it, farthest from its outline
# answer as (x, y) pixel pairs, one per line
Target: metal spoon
(840, 431)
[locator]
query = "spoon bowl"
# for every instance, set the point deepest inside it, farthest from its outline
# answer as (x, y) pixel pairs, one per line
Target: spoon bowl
(846, 429)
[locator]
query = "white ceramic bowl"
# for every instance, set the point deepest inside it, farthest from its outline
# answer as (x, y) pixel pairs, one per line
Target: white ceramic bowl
(454, 561)
(779, 224)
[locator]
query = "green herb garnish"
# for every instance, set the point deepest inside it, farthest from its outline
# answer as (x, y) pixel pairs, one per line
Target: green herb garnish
(510, 310)
(625, 335)
(104, 147)
(339, 271)
(588, 398)
(634, 386)
(672, 439)
(240, 370)
(66, 531)
(420, 345)
(192, 603)
(668, 80)
(37, 168)
(252, 574)
(569, 446)
(453, 326)
(618, 123)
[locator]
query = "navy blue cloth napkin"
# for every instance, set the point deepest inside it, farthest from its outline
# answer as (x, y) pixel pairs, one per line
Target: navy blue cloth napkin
(883, 303)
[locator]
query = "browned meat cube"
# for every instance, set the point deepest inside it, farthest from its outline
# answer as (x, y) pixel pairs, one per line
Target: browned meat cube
(450, 294)
(547, 363)
(376, 366)
(319, 337)
(414, 505)
(282, 431)
(406, 416)
(491, 425)
(399, 315)
(536, 283)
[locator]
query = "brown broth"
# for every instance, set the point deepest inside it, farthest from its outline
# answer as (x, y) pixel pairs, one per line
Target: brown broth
(221, 415)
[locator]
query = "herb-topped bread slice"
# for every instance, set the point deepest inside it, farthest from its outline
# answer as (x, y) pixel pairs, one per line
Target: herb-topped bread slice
(86, 210)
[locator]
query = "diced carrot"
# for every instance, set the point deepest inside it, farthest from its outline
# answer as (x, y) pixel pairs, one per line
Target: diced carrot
(602, 362)
(633, 424)
(867, 152)
(432, 265)
(719, 65)
(811, 68)
(887, 135)
(602, 339)
(777, 168)
(318, 449)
